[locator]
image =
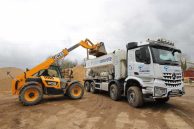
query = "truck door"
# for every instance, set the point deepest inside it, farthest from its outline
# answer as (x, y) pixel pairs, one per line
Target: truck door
(142, 66)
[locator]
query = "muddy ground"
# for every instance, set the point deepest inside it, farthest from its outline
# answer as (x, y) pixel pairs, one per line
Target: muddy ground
(96, 112)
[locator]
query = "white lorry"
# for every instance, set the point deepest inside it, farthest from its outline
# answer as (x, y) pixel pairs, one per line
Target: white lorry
(144, 71)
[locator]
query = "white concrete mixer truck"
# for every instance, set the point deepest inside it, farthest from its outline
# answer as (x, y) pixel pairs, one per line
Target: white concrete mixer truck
(147, 70)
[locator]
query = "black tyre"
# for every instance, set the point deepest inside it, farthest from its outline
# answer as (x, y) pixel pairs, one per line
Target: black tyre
(92, 87)
(31, 95)
(87, 86)
(76, 91)
(162, 100)
(134, 96)
(115, 92)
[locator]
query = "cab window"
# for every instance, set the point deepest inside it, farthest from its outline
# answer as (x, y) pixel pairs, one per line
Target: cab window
(142, 55)
(55, 71)
(52, 73)
(47, 72)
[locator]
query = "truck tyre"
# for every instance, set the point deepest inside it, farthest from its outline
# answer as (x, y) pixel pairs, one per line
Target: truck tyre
(115, 92)
(31, 95)
(92, 87)
(87, 86)
(76, 91)
(134, 96)
(162, 100)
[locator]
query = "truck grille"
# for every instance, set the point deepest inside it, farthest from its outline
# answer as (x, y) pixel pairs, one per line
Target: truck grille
(172, 79)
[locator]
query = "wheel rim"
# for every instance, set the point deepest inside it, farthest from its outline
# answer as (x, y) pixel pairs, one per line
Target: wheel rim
(76, 91)
(92, 87)
(131, 96)
(31, 95)
(87, 85)
(112, 91)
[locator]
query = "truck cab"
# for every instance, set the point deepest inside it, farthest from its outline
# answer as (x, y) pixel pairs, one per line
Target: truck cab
(156, 65)
(147, 70)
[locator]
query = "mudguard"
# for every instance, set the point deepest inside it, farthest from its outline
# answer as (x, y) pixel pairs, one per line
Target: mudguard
(29, 83)
(136, 79)
(72, 82)
(115, 81)
(132, 78)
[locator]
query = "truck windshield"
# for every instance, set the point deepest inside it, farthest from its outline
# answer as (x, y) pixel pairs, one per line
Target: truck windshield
(165, 56)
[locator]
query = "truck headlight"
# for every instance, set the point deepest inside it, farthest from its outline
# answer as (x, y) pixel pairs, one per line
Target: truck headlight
(159, 91)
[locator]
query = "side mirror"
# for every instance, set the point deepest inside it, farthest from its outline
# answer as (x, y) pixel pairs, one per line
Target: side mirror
(176, 50)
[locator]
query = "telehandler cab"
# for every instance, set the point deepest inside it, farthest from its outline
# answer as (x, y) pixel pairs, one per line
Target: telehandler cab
(47, 79)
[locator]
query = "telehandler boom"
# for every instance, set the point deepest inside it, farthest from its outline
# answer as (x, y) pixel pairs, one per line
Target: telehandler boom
(46, 78)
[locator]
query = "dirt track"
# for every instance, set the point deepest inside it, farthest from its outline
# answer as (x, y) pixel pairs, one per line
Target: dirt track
(96, 111)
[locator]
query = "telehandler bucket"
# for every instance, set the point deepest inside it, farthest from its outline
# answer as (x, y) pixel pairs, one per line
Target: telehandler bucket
(99, 50)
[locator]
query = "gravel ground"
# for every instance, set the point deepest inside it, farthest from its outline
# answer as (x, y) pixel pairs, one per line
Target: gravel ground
(96, 111)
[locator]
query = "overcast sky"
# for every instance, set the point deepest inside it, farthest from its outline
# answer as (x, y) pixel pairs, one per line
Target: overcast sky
(32, 30)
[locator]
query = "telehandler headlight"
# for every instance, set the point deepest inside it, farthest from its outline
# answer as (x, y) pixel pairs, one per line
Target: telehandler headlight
(51, 83)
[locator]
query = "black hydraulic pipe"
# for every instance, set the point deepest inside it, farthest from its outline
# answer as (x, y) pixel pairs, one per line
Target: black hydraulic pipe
(73, 47)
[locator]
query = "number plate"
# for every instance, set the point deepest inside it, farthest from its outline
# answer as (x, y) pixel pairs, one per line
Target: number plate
(175, 90)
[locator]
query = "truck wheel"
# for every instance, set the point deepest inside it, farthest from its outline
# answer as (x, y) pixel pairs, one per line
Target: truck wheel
(162, 100)
(134, 96)
(92, 87)
(31, 95)
(115, 92)
(76, 91)
(87, 86)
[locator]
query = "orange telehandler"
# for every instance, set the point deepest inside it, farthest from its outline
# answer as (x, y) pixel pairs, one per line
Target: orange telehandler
(47, 79)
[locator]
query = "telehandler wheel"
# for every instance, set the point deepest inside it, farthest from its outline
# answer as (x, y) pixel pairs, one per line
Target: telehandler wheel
(134, 96)
(87, 86)
(92, 87)
(31, 95)
(76, 91)
(115, 92)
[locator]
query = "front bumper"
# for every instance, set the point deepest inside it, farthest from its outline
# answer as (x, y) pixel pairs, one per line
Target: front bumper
(159, 90)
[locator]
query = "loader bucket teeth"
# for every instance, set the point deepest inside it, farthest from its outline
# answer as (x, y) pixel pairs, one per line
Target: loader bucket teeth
(99, 50)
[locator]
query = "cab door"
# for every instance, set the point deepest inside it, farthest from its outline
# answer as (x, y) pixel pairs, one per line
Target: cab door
(52, 81)
(143, 66)
(51, 78)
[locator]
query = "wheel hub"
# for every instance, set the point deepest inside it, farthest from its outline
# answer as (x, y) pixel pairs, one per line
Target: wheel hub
(92, 87)
(76, 91)
(87, 87)
(131, 96)
(31, 95)
(113, 91)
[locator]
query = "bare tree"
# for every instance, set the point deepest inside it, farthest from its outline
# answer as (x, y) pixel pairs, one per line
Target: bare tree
(68, 64)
